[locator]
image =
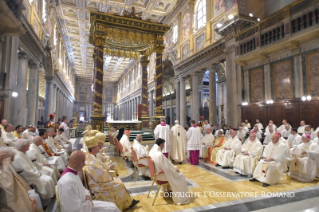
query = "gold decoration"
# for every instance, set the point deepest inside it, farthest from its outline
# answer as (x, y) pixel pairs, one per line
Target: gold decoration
(158, 98)
(133, 14)
(98, 81)
(99, 70)
(98, 94)
(97, 105)
(159, 75)
(158, 87)
(100, 59)
(144, 96)
(127, 36)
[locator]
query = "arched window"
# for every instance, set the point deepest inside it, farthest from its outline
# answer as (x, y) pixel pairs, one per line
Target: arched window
(200, 14)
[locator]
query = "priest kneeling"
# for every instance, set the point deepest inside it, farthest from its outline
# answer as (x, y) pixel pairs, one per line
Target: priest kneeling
(171, 174)
(73, 196)
(251, 152)
(101, 182)
(271, 168)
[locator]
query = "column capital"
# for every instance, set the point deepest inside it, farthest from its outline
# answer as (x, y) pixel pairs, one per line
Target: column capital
(22, 55)
(32, 65)
(144, 61)
(49, 79)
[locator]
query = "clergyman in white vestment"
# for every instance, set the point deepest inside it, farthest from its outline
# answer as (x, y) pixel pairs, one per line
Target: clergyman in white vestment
(171, 174)
(126, 144)
(271, 168)
(178, 143)
(41, 163)
(251, 152)
(207, 141)
(226, 156)
(73, 196)
(294, 139)
(43, 183)
(301, 129)
(303, 168)
(164, 132)
(141, 153)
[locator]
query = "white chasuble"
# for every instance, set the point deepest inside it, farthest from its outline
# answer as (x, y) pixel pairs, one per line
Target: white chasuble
(226, 157)
(245, 164)
(303, 168)
(271, 172)
(207, 141)
(164, 132)
(43, 183)
(178, 143)
(176, 179)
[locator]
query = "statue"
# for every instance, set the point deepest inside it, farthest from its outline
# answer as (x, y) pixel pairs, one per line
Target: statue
(86, 134)
(75, 120)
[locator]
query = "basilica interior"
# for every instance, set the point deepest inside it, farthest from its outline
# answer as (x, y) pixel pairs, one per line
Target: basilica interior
(133, 64)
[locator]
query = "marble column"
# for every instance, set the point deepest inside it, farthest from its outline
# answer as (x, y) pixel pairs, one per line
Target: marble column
(159, 83)
(298, 71)
(54, 98)
(144, 116)
(177, 92)
(33, 93)
(48, 97)
(233, 110)
(195, 97)
(151, 109)
(182, 107)
(20, 103)
(212, 95)
(97, 116)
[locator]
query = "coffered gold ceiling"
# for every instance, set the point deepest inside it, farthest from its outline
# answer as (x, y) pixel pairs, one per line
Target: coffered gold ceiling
(75, 23)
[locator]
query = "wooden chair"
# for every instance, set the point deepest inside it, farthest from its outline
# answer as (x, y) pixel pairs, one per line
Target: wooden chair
(119, 146)
(137, 165)
(57, 198)
(86, 184)
(154, 175)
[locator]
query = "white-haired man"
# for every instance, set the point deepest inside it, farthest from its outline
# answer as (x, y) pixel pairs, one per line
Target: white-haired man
(178, 143)
(15, 193)
(269, 135)
(206, 126)
(43, 183)
(303, 168)
(251, 152)
(7, 136)
(270, 169)
(231, 148)
(207, 141)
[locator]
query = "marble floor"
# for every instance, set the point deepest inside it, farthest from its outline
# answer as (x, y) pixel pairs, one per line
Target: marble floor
(206, 182)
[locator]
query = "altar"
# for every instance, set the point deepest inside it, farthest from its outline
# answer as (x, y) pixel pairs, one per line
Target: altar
(130, 125)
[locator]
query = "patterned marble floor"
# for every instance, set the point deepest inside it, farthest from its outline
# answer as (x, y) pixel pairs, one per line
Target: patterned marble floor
(207, 182)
